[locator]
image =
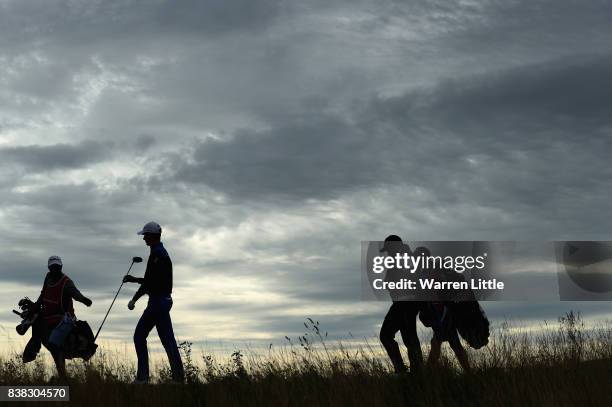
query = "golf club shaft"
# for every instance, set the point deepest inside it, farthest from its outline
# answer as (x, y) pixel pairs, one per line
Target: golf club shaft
(112, 303)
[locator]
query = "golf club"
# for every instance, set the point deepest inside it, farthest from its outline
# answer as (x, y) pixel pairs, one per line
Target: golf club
(134, 260)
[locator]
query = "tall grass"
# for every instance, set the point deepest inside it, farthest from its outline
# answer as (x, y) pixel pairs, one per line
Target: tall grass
(566, 364)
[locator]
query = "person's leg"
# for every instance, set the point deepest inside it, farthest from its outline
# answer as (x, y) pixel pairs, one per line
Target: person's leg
(434, 353)
(459, 350)
(436, 313)
(410, 337)
(390, 326)
(144, 326)
(58, 358)
(56, 352)
(166, 335)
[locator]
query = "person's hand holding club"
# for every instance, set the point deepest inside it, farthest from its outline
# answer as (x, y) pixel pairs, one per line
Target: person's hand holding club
(130, 279)
(131, 305)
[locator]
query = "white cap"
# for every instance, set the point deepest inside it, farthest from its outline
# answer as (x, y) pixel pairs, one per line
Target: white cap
(151, 227)
(54, 260)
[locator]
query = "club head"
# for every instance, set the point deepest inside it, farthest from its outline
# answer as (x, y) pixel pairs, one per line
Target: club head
(137, 259)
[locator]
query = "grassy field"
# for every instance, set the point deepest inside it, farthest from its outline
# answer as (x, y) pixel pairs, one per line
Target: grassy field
(564, 365)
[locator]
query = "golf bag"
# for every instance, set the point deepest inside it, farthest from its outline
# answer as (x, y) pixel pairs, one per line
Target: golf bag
(471, 323)
(29, 313)
(439, 317)
(79, 343)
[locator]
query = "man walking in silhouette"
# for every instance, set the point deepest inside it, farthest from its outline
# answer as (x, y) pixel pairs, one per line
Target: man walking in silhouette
(157, 283)
(56, 318)
(401, 316)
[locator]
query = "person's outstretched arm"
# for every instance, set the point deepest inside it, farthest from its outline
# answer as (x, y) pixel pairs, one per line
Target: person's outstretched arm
(76, 294)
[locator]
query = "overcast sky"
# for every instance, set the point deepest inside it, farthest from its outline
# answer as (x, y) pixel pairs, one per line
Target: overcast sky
(269, 138)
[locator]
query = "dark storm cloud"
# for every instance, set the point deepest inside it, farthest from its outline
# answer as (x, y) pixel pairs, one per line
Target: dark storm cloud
(524, 98)
(489, 138)
(217, 16)
(502, 28)
(295, 161)
(79, 22)
(37, 158)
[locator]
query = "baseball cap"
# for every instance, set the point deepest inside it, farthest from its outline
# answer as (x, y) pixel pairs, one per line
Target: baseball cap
(152, 228)
(54, 260)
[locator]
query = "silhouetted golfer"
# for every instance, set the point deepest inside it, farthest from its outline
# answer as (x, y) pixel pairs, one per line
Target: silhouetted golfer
(157, 283)
(56, 318)
(440, 316)
(401, 315)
